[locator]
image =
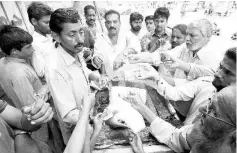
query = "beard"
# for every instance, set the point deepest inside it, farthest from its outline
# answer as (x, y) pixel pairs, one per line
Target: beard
(217, 84)
(204, 144)
(136, 29)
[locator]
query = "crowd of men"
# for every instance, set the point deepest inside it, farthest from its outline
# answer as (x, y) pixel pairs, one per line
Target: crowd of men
(46, 79)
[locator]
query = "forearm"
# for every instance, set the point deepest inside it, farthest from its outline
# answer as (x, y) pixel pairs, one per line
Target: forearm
(94, 137)
(184, 66)
(77, 139)
(147, 113)
(169, 80)
(27, 126)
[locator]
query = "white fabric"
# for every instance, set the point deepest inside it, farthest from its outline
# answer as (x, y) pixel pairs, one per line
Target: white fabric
(41, 45)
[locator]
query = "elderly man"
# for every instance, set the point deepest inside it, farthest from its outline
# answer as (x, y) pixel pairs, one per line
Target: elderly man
(214, 132)
(111, 48)
(200, 56)
(198, 90)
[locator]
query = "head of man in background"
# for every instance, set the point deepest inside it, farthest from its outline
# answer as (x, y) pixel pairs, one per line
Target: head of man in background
(178, 35)
(199, 33)
(135, 21)
(67, 30)
(112, 22)
(149, 21)
(161, 17)
(226, 72)
(89, 12)
(39, 16)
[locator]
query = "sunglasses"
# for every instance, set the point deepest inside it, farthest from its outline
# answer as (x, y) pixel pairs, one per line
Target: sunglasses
(207, 112)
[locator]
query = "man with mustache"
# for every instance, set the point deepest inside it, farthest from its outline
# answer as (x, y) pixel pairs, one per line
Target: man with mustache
(90, 15)
(135, 21)
(195, 94)
(111, 49)
(66, 73)
(215, 130)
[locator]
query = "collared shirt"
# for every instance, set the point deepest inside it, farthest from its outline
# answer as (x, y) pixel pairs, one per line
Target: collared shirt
(96, 31)
(65, 78)
(19, 81)
(166, 35)
(198, 91)
(108, 52)
(41, 45)
(173, 137)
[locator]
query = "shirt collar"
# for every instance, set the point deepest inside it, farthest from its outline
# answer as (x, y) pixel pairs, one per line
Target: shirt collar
(69, 60)
(166, 33)
(13, 59)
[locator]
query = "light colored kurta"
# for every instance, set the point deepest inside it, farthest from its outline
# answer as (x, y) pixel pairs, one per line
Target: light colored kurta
(199, 91)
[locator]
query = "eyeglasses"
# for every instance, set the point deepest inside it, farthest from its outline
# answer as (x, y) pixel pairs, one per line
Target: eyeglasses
(219, 119)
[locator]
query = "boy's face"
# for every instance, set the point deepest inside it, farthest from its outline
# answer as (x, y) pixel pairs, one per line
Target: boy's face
(160, 23)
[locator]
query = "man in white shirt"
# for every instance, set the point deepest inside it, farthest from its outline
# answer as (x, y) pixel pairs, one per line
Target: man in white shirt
(198, 90)
(39, 16)
(217, 124)
(67, 75)
(111, 48)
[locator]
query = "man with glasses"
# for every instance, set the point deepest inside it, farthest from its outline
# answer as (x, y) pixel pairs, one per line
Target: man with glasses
(214, 132)
(195, 93)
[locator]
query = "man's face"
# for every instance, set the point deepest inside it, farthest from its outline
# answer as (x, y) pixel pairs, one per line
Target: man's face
(225, 74)
(195, 40)
(150, 25)
(90, 17)
(43, 25)
(160, 24)
(177, 38)
(112, 24)
(26, 51)
(136, 25)
(72, 37)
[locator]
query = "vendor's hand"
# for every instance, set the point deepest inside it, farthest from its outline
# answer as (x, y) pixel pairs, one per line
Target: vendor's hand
(135, 142)
(39, 112)
(170, 61)
(97, 61)
(135, 100)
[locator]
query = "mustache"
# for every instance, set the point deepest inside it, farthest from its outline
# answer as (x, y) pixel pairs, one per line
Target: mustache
(112, 28)
(79, 44)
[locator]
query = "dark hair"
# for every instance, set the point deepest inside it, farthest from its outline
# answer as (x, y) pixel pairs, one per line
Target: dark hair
(182, 28)
(231, 53)
(37, 10)
(149, 17)
(88, 7)
(61, 16)
(135, 16)
(162, 12)
(111, 12)
(13, 38)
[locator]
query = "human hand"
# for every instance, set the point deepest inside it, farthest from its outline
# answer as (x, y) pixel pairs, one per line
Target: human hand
(135, 141)
(98, 121)
(98, 61)
(135, 100)
(170, 61)
(43, 93)
(146, 73)
(39, 112)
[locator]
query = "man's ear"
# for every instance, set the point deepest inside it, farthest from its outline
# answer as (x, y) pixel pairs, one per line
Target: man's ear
(55, 36)
(14, 52)
(34, 21)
